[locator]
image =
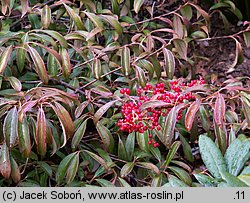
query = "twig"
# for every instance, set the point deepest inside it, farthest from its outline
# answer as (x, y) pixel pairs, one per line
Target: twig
(68, 86)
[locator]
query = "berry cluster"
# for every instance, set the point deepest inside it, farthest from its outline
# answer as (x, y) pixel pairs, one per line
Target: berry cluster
(140, 120)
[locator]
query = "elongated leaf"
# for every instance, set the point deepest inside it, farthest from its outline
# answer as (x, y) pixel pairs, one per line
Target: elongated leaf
(236, 155)
(79, 135)
(5, 58)
(72, 168)
(205, 180)
(211, 156)
(46, 168)
(15, 83)
(187, 11)
(63, 168)
(143, 63)
(15, 172)
(24, 137)
(122, 154)
(65, 121)
(106, 136)
(41, 131)
(245, 179)
(191, 114)
(127, 168)
(137, 5)
(149, 166)
(186, 149)
(175, 182)
(55, 35)
(232, 181)
(102, 110)
(173, 149)
(97, 20)
(5, 167)
(221, 136)
(66, 65)
(141, 76)
(239, 56)
(125, 60)
(169, 63)
(104, 183)
(130, 146)
(75, 17)
(10, 127)
(182, 174)
(178, 27)
(97, 68)
(142, 140)
(168, 131)
(53, 65)
(39, 65)
(246, 36)
(25, 6)
(204, 118)
(98, 159)
(46, 16)
(181, 48)
(123, 183)
(20, 57)
(114, 23)
(157, 181)
(219, 110)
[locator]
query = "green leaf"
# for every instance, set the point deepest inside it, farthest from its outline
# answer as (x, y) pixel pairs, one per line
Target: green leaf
(79, 135)
(169, 63)
(211, 156)
(15, 172)
(126, 169)
(187, 11)
(186, 149)
(232, 181)
(173, 149)
(46, 168)
(125, 60)
(142, 140)
(246, 36)
(114, 23)
(98, 159)
(75, 17)
(122, 154)
(245, 179)
(130, 146)
(5, 166)
(205, 180)
(104, 183)
(72, 168)
(46, 16)
(56, 35)
(106, 136)
(175, 182)
(20, 58)
(97, 20)
(156, 181)
(63, 168)
(149, 166)
(182, 174)
(123, 183)
(137, 5)
(5, 55)
(204, 118)
(10, 127)
(24, 137)
(181, 48)
(15, 83)
(236, 155)
(41, 131)
(39, 65)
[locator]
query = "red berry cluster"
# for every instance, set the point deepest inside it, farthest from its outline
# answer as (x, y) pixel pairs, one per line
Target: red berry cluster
(140, 120)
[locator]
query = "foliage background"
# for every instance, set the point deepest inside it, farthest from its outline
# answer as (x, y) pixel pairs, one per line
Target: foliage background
(63, 64)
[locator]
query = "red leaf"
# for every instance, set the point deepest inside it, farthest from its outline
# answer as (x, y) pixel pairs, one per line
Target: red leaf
(190, 115)
(219, 110)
